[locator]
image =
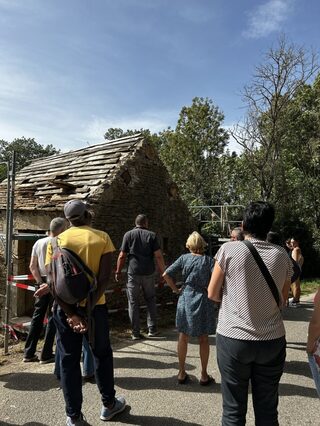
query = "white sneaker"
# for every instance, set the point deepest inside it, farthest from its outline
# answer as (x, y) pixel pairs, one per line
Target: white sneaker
(153, 333)
(108, 413)
(293, 304)
(80, 421)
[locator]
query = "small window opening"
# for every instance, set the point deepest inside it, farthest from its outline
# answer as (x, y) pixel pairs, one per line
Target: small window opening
(126, 177)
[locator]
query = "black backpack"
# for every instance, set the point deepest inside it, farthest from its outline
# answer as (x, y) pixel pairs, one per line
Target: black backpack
(72, 281)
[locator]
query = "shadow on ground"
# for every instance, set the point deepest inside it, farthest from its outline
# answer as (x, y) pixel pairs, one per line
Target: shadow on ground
(295, 390)
(298, 314)
(29, 381)
(166, 383)
(298, 346)
(20, 424)
(297, 367)
(130, 419)
(145, 363)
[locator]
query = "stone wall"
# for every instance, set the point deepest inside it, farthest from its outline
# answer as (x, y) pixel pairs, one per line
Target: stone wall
(143, 185)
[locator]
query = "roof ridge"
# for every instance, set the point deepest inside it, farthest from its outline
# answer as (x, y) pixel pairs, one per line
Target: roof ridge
(112, 142)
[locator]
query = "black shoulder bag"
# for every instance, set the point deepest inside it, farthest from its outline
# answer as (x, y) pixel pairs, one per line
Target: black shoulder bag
(264, 271)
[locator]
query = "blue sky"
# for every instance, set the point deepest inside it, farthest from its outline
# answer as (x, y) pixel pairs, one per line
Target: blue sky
(70, 69)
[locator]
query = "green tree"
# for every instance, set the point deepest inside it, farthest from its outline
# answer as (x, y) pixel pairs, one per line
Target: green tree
(303, 152)
(191, 151)
(116, 133)
(27, 149)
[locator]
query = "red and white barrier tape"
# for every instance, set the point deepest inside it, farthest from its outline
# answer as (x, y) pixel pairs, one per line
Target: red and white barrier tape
(24, 286)
(113, 290)
(21, 326)
(21, 277)
(11, 331)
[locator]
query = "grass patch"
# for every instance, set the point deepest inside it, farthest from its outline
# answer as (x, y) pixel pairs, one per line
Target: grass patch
(309, 286)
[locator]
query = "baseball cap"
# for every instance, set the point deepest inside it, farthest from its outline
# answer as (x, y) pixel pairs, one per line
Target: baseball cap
(74, 209)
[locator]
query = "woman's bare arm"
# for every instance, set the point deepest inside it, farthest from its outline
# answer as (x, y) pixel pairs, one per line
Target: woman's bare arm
(216, 283)
(171, 283)
(314, 325)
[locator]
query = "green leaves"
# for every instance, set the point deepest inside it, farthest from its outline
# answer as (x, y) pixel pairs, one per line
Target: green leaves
(191, 151)
(27, 149)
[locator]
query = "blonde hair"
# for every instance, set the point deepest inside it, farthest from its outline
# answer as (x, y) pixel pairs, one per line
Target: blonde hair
(195, 243)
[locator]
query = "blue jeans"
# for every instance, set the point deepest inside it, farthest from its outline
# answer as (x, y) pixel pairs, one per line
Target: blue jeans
(88, 360)
(315, 372)
(41, 306)
(260, 362)
(147, 282)
(69, 346)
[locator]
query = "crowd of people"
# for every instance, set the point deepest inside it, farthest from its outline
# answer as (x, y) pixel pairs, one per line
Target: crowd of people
(219, 295)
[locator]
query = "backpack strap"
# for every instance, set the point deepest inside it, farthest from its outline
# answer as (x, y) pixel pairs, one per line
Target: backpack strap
(264, 271)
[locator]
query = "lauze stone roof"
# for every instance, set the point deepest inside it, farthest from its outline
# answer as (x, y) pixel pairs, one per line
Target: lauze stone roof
(49, 182)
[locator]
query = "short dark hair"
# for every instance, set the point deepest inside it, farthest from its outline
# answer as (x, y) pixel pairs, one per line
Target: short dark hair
(141, 220)
(258, 218)
(274, 238)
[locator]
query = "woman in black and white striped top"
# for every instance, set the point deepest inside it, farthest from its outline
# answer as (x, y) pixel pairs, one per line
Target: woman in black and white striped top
(250, 333)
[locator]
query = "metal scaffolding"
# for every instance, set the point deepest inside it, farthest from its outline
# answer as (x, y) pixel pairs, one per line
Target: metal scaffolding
(11, 169)
(219, 214)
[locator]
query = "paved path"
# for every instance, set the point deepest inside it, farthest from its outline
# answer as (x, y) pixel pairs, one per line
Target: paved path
(146, 376)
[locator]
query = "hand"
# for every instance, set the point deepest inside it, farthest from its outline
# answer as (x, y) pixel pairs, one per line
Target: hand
(162, 281)
(42, 290)
(311, 347)
(77, 323)
(117, 276)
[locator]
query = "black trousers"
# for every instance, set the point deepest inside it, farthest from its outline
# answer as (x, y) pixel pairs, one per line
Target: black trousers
(260, 362)
(69, 346)
(41, 306)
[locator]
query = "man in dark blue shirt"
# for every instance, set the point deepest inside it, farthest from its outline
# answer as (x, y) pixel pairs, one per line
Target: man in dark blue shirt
(141, 247)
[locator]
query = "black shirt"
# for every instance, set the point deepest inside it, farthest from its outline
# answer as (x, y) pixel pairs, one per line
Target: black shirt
(140, 245)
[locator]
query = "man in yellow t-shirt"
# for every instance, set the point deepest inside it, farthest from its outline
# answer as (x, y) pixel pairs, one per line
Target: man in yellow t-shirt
(95, 249)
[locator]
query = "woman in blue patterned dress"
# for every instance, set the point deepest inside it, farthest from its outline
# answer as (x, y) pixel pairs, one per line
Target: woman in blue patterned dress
(195, 312)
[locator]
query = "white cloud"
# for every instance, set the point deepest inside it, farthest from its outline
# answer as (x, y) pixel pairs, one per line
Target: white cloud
(155, 122)
(267, 18)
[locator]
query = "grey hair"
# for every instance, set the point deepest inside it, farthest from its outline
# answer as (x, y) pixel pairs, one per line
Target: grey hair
(58, 224)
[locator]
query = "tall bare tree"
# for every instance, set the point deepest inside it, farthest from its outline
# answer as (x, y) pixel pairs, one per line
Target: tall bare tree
(275, 83)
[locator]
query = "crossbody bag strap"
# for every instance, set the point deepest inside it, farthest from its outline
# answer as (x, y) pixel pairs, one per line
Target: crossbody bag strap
(264, 271)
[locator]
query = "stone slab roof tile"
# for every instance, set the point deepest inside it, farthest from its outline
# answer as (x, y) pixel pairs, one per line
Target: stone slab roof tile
(47, 183)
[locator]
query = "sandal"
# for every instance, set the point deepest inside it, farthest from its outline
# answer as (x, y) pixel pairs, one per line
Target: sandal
(207, 382)
(184, 380)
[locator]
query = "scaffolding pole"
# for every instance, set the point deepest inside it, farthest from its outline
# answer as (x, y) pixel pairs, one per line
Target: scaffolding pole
(9, 234)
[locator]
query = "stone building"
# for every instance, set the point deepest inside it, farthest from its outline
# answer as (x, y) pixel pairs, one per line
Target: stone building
(119, 179)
